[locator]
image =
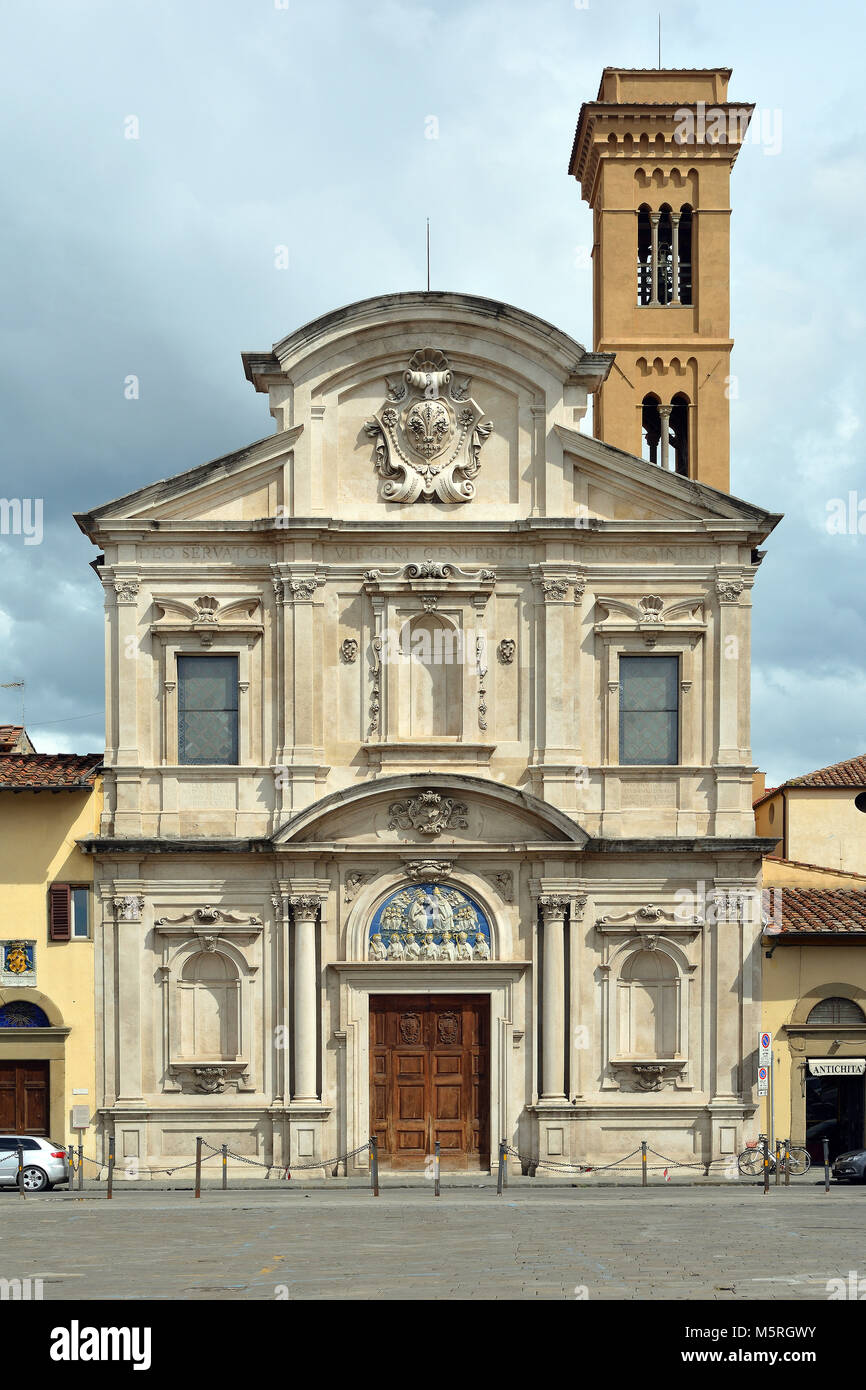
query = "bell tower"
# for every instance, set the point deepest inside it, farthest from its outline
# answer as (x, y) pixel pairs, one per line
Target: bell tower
(653, 155)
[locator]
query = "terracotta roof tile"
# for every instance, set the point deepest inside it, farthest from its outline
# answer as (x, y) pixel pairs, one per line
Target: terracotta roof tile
(48, 771)
(833, 911)
(11, 736)
(850, 773)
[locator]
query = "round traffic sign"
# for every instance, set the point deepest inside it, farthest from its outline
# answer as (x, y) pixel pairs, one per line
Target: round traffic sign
(765, 1040)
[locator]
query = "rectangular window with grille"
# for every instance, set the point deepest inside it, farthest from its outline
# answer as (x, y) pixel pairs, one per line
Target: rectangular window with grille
(648, 709)
(207, 709)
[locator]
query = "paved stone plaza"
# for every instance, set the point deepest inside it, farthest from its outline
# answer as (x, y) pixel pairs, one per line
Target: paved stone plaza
(532, 1243)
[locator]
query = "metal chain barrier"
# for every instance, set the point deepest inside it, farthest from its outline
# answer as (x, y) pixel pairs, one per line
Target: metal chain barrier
(561, 1166)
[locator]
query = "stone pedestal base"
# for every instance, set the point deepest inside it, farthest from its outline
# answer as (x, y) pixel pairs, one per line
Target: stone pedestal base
(304, 1143)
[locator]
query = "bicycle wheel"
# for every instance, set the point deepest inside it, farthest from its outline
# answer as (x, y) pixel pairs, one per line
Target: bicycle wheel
(800, 1162)
(751, 1163)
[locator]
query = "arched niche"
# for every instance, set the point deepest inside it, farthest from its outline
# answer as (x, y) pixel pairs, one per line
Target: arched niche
(648, 1006)
(430, 688)
(209, 1008)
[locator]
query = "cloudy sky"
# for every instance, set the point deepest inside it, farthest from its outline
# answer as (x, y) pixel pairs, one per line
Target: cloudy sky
(304, 123)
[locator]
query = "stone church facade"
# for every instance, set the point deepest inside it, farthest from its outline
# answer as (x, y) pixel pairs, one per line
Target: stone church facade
(428, 779)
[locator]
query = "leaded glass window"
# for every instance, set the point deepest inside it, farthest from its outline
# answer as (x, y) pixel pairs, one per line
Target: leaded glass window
(207, 709)
(648, 709)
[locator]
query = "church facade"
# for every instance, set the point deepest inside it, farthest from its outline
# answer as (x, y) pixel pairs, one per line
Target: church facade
(428, 780)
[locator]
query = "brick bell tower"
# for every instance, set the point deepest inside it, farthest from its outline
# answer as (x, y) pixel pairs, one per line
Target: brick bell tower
(653, 155)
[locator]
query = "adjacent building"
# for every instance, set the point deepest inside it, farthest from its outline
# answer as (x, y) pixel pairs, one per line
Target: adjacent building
(814, 976)
(48, 802)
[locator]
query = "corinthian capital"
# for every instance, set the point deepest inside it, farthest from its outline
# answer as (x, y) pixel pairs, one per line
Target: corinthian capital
(305, 905)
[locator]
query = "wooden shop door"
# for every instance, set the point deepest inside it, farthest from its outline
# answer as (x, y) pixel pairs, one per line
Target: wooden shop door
(430, 1079)
(24, 1097)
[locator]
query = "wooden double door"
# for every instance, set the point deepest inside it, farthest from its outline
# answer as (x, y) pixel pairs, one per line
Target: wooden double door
(430, 1079)
(24, 1097)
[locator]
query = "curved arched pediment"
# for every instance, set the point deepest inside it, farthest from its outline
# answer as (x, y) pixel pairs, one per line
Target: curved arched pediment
(430, 809)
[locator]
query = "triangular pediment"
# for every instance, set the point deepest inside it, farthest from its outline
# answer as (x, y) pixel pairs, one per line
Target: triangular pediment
(612, 485)
(246, 485)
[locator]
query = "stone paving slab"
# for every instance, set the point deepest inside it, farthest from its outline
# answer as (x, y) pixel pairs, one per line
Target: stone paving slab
(720, 1243)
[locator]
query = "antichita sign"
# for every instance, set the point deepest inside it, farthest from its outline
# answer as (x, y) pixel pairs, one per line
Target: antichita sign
(851, 1066)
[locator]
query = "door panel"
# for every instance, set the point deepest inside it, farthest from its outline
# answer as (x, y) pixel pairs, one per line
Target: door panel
(429, 1079)
(24, 1097)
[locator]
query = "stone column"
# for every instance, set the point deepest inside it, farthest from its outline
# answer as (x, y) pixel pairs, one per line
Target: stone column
(675, 258)
(553, 913)
(128, 907)
(665, 436)
(654, 292)
(728, 591)
(305, 909)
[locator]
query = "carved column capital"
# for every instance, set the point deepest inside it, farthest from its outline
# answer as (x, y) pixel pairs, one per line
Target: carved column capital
(305, 906)
(126, 588)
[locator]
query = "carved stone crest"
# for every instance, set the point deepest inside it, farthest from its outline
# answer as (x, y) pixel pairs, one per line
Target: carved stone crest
(349, 650)
(210, 1080)
(429, 812)
(410, 1029)
(506, 650)
(428, 435)
(449, 1029)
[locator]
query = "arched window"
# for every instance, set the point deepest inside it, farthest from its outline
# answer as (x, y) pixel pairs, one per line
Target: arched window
(209, 1007)
(648, 999)
(644, 256)
(836, 1010)
(431, 694)
(651, 428)
(664, 256)
(684, 254)
(679, 433)
(21, 1013)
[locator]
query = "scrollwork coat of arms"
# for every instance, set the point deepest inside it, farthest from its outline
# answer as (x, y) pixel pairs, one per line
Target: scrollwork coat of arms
(428, 812)
(428, 434)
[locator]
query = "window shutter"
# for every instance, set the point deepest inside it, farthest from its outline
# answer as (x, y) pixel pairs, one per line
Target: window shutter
(59, 912)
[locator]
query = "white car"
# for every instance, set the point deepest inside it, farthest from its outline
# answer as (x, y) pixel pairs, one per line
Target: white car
(45, 1162)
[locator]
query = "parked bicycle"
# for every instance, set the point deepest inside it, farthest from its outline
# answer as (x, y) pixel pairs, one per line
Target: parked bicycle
(751, 1161)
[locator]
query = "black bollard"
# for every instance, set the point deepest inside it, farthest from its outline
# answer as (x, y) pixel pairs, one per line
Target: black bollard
(110, 1191)
(643, 1144)
(21, 1170)
(374, 1165)
(766, 1148)
(225, 1166)
(80, 1167)
(500, 1173)
(198, 1165)
(826, 1142)
(778, 1155)
(436, 1169)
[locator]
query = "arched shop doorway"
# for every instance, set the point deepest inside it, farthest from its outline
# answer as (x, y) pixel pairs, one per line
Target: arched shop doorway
(835, 1085)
